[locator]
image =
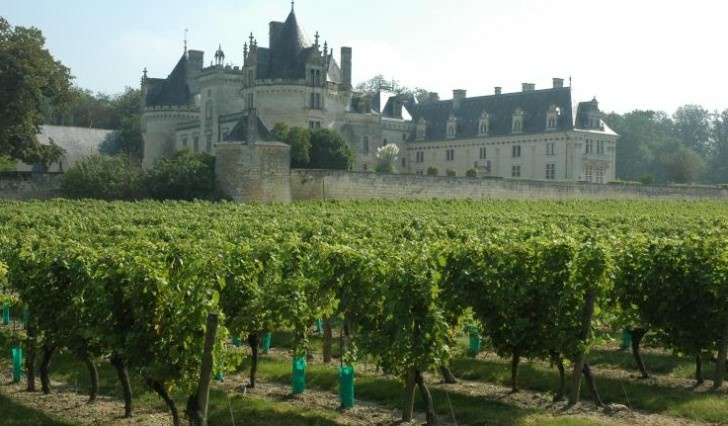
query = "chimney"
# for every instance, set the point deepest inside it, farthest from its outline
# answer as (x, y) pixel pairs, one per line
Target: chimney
(251, 131)
(346, 66)
(528, 87)
(498, 90)
(274, 29)
(457, 97)
(195, 59)
(558, 83)
(433, 97)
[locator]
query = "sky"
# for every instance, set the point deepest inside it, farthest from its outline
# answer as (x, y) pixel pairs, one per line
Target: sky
(629, 54)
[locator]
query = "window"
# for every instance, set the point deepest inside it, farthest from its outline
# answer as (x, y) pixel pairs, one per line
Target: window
(208, 146)
(517, 125)
(314, 124)
(451, 131)
(225, 134)
(420, 172)
(365, 167)
(404, 136)
(315, 101)
(208, 114)
(516, 171)
(419, 157)
(184, 141)
(483, 153)
(589, 147)
(551, 171)
(449, 154)
(589, 173)
(196, 143)
(315, 77)
(600, 147)
(365, 144)
(600, 174)
(483, 124)
(552, 117)
(404, 162)
(550, 148)
(249, 101)
(516, 150)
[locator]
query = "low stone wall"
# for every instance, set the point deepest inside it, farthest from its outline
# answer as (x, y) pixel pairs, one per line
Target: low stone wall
(342, 185)
(29, 185)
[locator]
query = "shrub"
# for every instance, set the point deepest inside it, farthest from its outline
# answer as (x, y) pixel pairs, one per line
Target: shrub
(471, 173)
(386, 156)
(450, 173)
(102, 177)
(432, 171)
(185, 176)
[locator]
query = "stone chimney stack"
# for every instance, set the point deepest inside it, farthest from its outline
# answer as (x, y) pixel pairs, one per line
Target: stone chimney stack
(346, 66)
(528, 87)
(457, 97)
(558, 83)
(251, 131)
(498, 90)
(274, 29)
(433, 97)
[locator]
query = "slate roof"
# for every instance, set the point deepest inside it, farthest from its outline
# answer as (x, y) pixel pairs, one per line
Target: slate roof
(78, 142)
(500, 108)
(239, 132)
(170, 91)
(289, 51)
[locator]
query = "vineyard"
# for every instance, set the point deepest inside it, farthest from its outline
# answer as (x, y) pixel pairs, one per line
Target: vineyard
(160, 291)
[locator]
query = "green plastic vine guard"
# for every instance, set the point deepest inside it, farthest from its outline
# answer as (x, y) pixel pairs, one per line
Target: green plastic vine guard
(474, 347)
(319, 326)
(265, 342)
(17, 364)
(6, 313)
(346, 386)
(298, 378)
(626, 339)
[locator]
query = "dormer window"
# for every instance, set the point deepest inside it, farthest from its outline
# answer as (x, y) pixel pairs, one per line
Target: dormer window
(484, 124)
(452, 127)
(517, 126)
(314, 77)
(421, 129)
(552, 117)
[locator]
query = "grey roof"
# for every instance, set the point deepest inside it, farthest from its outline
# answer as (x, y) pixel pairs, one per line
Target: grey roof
(78, 142)
(170, 91)
(334, 72)
(239, 132)
(500, 109)
(289, 51)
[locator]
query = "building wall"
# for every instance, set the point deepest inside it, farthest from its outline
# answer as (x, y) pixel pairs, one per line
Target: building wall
(158, 130)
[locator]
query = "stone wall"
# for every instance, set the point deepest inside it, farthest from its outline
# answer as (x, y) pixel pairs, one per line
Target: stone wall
(340, 185)
(29, 185)
(258, 172)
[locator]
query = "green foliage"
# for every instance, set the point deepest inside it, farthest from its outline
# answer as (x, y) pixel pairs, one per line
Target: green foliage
(386, 157)
(450, 172)
(30, 77)
(471, 173)
(300, 141)
(184, 176)
(102, 177)
(7, 163)
(330, 151)
(432, 171)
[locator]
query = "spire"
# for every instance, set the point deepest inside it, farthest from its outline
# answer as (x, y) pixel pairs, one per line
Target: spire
(292, 4)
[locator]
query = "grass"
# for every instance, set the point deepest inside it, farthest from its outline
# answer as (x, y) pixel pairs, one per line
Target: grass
(386, 391)
(17, 414)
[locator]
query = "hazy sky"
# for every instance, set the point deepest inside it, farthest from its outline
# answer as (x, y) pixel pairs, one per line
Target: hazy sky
(630, 54)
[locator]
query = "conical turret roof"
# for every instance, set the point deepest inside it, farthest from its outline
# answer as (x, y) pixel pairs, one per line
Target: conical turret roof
(288, 51)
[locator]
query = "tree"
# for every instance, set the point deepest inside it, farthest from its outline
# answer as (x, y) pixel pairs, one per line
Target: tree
(692, 128)
(378, 82)
(329, 150)
(719, 130)
(386, 156)
(185, 176)
(102, 177)
(29, 78)
(300, 141)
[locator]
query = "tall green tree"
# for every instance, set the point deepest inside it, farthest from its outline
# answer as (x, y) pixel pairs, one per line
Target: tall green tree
(692, 129)
(329, 150)
(300, 141)
(719, 130)
(29, 78)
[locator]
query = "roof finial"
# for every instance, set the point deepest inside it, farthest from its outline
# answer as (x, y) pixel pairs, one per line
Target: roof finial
(251, 40)
(186, 39)
(292, 4)
(317, 39)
